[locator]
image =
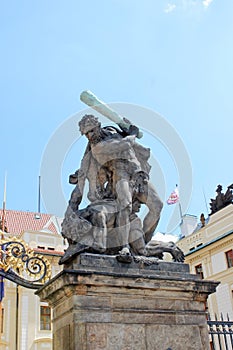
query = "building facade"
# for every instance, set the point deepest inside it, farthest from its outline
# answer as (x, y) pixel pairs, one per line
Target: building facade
(26, 322)
(209, 252)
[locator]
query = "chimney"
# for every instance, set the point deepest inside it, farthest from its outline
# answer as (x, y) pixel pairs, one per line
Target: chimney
(188, 225)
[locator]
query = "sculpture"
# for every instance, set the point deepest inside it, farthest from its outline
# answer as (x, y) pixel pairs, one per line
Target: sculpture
(117, 170)
(202, 219)
(221, 200)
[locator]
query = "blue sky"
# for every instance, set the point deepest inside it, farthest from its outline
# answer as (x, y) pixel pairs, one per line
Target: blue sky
(173, 57)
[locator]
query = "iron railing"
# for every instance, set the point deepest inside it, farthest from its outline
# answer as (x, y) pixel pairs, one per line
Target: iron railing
(221, 333)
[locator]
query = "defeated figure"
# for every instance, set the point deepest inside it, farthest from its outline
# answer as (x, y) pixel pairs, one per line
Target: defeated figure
(93, 230)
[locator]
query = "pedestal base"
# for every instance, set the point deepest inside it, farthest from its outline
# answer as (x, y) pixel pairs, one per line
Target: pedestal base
(101, 304)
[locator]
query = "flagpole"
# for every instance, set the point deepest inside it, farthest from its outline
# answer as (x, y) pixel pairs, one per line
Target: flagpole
(181, 215)
(39, 195)
(207, 209)
(180, 209)
(175, 198)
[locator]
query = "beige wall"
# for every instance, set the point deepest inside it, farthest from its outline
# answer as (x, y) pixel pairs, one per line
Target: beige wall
(216, 238)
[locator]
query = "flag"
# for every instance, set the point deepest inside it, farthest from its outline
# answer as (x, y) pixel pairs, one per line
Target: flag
(174, 197)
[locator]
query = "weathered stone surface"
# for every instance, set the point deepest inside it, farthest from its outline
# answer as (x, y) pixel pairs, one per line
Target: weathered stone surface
(102, 305)
(116, 336)
(184, 337)
(110, 264)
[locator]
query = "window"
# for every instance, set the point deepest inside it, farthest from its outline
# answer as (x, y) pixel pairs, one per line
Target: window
(199, 270)
(229, 257)
(45, 318)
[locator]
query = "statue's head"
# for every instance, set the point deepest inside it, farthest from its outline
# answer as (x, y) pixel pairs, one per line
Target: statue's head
(136, 205)
(219, 189)
(88, 123)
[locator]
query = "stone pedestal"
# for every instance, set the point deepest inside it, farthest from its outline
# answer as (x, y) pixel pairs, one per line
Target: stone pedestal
(101, 304)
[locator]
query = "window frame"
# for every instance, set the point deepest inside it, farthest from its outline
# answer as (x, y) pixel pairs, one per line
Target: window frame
(45, 318)
(229, 259)
(199, 273)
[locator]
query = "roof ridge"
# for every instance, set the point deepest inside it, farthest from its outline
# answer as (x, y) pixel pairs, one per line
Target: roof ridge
(18, 221)
(26, 211)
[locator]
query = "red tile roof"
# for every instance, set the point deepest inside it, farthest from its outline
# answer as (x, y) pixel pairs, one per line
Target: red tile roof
(48, 252)
(20, 221)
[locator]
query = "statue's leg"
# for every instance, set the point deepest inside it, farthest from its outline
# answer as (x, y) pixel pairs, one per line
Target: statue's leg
(136, 237)
(138, 247)
(124, 201)
(155, 205)
(100, 231)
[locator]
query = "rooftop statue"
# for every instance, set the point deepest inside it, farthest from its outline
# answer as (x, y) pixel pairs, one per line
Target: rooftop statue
(118, 175)
(221, 200)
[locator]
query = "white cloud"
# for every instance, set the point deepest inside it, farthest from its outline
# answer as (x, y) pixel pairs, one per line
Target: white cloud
(165, 237)
(206, 3)
(169, 8)
(187, 5)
